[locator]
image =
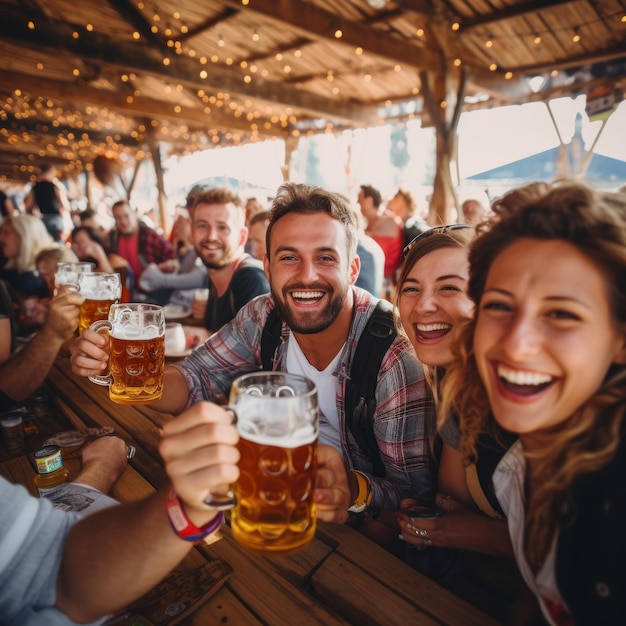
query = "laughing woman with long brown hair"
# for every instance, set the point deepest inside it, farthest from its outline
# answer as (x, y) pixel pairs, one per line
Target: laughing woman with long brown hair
(545, 358)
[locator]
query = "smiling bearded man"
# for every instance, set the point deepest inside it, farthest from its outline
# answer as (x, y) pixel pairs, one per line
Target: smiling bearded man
(312, 266)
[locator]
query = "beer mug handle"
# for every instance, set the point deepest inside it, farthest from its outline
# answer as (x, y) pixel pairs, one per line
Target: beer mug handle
(223, 501)
(106, 379)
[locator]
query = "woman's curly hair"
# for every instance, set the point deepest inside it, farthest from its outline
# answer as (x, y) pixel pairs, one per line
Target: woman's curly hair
(595, 223)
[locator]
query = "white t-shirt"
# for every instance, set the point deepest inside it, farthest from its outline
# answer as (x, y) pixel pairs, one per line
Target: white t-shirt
(326, 384)
(508, 481)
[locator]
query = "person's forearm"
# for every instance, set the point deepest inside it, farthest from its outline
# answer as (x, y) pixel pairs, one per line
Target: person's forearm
(482, 534)
(114, 556)
(189, 280)
(22, 374)
(175, 392)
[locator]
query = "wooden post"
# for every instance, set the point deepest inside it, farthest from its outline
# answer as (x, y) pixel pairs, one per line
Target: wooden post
(291, 144)
(158, 169)
(444, 106)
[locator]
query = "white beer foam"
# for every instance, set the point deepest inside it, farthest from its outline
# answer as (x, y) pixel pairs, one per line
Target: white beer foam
(303, 435)
(101, 294)
(136, 332)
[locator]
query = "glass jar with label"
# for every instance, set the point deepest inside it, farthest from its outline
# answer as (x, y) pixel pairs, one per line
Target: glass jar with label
(50, 469)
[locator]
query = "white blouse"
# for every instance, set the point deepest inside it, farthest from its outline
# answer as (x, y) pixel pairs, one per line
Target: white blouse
(508, 480)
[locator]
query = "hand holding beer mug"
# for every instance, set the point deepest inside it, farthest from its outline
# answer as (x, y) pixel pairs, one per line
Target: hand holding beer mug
(136, 352)
(277, 419)
(99, 291)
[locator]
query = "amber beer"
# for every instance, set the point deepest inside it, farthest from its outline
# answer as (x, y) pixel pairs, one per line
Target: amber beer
(277, 420)
(275, 511)
(136, 352)
(91, 311)
(99, 290)
(136, 369)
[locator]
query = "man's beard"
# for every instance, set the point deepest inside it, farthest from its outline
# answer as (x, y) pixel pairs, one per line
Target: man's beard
(310, 325)
(226, 259)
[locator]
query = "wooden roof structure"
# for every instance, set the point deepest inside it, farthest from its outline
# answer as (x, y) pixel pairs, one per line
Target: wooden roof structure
(118, 77)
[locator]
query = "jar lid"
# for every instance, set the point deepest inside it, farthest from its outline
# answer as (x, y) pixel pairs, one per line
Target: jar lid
(46, 451)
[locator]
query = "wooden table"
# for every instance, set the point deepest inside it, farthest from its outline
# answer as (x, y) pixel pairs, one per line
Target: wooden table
(340, 578)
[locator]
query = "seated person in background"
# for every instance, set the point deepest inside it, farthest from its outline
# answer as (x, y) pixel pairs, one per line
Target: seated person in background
(370, 254)
(219, 235)
(403, 206)
(139, 245)
(33, 311)
(46, 263)
(21, 237)
(253, 206)
(257, 227)
(385, 230)
(183, 274)
(473, 212)
(26, 370)
(545, 358)
(88, 246)
(7, 206)
(8, 326)
(47, 200)
(92, 219)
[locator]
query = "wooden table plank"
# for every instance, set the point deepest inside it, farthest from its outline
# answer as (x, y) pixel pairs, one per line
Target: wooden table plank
(363, 600)
(273, 599)
(390, 571)
(93, 408)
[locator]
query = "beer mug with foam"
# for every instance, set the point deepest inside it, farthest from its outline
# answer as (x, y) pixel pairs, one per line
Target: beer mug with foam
(136, 352)
(68, 274)
(277, 419)
(100, 291)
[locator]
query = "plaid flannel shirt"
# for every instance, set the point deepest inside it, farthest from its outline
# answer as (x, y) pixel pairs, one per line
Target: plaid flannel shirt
(151, 247)
(404, 416)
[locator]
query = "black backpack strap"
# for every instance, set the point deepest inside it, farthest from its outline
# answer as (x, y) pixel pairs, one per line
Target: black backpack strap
(270, 339)
(360, 398)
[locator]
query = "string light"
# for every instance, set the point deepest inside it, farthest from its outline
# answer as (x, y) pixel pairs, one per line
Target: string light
(255, 35)
(576, 37)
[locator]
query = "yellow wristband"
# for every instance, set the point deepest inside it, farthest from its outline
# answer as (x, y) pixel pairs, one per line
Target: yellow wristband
(364, 495)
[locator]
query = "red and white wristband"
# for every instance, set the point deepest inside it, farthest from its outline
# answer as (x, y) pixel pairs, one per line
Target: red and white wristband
(183, 526)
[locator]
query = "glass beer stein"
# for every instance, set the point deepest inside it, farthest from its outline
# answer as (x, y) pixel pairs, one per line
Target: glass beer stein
(277, 419)
(136, 352)
(100, 291)
(68, 274)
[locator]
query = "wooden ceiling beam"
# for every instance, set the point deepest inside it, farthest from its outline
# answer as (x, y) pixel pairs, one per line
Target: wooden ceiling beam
(517, 10)
(139, 107)
(57, 37)
(8, 157)
(321, 24)
(46, 129)
(588, 58)
(135, 18)
(226, 14)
